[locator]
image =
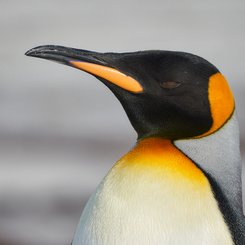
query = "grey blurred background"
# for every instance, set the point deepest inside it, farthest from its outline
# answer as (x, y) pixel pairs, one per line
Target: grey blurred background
(61, 129)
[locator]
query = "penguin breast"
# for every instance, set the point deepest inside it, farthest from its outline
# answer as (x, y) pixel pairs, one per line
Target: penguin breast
(153, 195)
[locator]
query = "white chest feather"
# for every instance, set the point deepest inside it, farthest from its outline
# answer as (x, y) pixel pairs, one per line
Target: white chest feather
(146, 201)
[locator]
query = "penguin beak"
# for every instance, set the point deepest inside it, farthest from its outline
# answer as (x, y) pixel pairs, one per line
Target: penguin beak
(88, 61)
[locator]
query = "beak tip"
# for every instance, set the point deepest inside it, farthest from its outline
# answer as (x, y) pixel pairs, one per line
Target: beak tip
(35, 52)
(28, 53)
(31, 52)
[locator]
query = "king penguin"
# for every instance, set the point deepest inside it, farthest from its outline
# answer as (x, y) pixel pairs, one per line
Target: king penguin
(181, 182)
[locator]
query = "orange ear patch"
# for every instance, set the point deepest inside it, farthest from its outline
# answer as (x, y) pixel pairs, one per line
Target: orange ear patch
(112, 75)
(221, 102)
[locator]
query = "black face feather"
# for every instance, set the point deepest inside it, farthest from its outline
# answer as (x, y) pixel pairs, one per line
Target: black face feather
(174, 103)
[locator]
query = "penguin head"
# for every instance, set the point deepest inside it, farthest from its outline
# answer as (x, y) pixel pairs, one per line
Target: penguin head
(167, 94)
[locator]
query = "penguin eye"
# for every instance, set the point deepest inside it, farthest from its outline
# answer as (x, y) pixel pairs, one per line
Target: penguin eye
(170, 84)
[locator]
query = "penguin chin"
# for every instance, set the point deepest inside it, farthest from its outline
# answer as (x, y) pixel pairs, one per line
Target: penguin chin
(166, 129)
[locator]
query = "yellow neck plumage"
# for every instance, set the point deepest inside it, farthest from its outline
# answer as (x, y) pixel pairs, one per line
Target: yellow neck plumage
(162, 158)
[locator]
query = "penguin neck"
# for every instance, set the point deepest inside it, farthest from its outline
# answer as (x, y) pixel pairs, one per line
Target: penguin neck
(159, 156)
(218, 155)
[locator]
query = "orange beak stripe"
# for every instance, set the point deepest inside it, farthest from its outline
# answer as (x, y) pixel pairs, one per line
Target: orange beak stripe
(112, 75)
